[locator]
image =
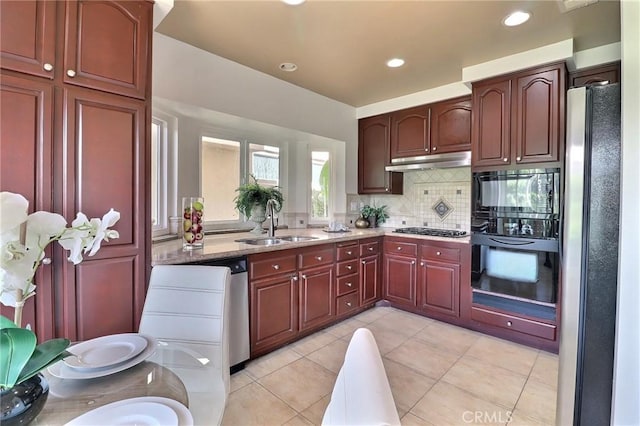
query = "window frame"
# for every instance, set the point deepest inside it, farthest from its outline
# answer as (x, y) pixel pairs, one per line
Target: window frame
(166, 171)
(332, 184)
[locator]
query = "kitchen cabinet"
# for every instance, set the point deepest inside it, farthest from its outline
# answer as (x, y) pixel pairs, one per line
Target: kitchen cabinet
(400, 271)
(518, 119)
(601, 74)
(61, 141)
(432, 129)
(373, 156)
(106, 45)
(370, 276)
(439, 280)
(317, 286)
(348, 278)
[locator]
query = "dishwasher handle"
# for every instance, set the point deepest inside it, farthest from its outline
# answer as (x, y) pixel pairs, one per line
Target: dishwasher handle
(238, 265)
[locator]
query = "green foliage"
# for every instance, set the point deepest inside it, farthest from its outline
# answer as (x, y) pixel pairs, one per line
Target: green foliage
(253, 193)
(21, 358)
(379, 214)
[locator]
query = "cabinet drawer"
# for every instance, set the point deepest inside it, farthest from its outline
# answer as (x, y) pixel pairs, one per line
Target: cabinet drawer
(401, 248)
(348, 267)
(347, 303)
(347, 284)
(368, 249)
(510, 322)
(322, 256)
(272, 266)
(348, 252)
(440, 253)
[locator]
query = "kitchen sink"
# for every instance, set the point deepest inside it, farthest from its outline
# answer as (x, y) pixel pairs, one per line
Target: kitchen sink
(297, 238)
(261, 241)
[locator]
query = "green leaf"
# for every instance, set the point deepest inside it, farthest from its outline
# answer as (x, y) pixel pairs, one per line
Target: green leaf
(17, 346)
(44, 354)
(6, 323)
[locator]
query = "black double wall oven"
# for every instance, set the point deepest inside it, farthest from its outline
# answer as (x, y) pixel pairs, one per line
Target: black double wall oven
(515, 240)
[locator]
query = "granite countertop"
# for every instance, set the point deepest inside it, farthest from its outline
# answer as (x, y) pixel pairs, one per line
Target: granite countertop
(224, 245)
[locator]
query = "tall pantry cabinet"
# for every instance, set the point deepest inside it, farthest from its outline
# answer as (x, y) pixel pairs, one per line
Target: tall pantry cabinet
(74, 136)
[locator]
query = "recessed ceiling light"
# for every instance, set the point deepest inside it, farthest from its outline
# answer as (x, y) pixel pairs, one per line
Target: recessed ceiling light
(395, 63)
(516, 18)
(288, 66)
(293, 2)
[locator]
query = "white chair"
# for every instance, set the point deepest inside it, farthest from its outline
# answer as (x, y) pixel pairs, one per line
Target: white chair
(189, 305)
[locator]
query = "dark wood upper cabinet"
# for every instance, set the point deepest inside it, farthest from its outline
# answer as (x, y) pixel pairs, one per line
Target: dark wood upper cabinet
(602, 74)
(28, 37)
(410, 132)
(451, 126)
(373, 156)
(518, 119)
(107, 46)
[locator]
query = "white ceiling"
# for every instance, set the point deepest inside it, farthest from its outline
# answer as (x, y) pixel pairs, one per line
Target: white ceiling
(341, 46)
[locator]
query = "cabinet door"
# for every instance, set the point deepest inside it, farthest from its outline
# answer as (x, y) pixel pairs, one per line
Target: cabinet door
(400, 279)
(373, 156)
(26, 120)
(439, 289)
(605, 74)
(317, 296)
(536, 114)
(490, 136)
(107, 45)
(103, 165)
(451, 126)
(28, 36)
(274, 312)
(370, 282)
(410, 132)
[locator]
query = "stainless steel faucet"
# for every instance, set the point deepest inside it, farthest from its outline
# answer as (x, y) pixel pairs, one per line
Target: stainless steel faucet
(271, 214)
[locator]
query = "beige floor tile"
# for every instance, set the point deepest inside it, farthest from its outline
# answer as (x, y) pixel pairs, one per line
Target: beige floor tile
(331, 356)
(423, 357)
(446, 404)
(313, 343)
(412, 420)
(315, 413)
(254, 405)
(518, 419)
(407, 385)
(346, 327)
(271, 362)
(545, 369)
(402, 323)
(501, 353)
(387, 340)
(298, 421)
(373, 314)
(240, 380)
(300, 384)
(448, 337)
(538, 401)
(491, 383)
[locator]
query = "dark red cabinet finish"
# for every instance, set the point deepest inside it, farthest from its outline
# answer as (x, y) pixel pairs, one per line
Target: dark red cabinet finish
(317, 296)
(439, 289)
(410, 132)
(400, 279)
(370, 290)
(451, 126)
(601, 74)
(373, 156)
(491, 123)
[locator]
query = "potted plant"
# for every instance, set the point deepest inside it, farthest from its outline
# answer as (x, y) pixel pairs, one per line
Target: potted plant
(252, 199)
(23, 240)
(375, 215)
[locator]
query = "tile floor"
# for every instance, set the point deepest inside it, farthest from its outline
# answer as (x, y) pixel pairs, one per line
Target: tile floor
(439, 375)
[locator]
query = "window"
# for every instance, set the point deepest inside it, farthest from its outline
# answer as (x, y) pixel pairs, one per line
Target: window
(320, 185)
(226, 164)
(159, 216)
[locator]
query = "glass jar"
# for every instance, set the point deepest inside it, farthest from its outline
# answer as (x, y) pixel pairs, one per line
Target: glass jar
(193, 223)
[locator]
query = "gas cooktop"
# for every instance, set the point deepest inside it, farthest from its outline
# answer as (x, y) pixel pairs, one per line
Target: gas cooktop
(432, 232)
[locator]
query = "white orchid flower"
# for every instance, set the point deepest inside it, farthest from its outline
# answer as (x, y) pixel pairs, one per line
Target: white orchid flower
(13, 211)
(77, 238)
(102, 229)
(11, 284)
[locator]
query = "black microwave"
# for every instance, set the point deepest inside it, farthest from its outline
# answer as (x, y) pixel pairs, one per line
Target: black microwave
(524, 202)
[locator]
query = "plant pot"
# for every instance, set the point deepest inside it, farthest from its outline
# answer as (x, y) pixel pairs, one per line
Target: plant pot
(23, 402)
(362, 223)
(258, 215)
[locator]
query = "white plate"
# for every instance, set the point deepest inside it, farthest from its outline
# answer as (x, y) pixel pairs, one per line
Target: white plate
(143, 411)
(106, 351)
(63, 371)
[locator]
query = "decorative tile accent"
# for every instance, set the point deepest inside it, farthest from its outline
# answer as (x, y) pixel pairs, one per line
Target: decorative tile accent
(442, 209)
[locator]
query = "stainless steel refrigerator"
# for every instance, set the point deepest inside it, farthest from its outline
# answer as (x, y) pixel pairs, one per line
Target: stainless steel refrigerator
(589, 256)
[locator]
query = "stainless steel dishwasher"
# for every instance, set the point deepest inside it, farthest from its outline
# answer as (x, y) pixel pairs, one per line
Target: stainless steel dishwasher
(239, 350)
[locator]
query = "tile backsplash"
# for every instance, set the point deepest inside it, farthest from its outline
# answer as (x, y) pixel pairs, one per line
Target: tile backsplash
(436, 198)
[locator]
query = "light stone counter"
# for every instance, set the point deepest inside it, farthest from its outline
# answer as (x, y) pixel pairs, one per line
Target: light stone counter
(225, 245)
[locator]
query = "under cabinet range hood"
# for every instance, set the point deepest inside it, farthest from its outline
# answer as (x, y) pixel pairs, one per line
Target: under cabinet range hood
(434, 161)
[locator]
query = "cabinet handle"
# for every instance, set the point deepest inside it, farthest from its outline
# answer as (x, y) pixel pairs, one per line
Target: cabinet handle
(349, 267)
(505, 159)
(304, 276)
(370, 249)
(48, 67)
(426, 150)
(364, 263)
(276, 267)
(399, 248)
(518, 158)
(294, 277)
(318, 258)
(438, 253)
(413, 262)
(348, 304)
(386, 189)
(421, 263)
(509, 323)
(435, 148)
(349, 253)
(348, 284)
(71, 73)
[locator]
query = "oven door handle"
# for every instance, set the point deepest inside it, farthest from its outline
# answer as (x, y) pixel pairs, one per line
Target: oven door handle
(512, 243)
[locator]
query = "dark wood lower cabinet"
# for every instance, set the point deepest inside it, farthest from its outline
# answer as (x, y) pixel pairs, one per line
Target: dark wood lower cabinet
(317, 295)
(370, 279)
(439, 289)
(400, 279)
